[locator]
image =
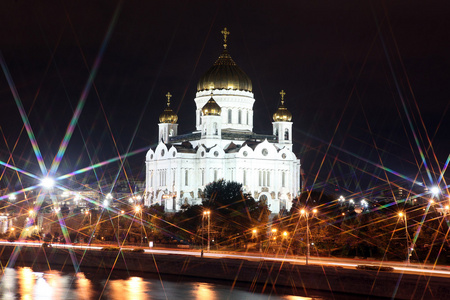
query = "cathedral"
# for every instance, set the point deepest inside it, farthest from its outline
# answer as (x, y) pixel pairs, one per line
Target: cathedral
(223, 146)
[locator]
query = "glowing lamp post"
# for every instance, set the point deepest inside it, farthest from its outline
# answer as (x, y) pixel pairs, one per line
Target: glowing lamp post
(254, 232)
(90, 219)
(305, 213)
(207, 214)
(118, 225)
(137, 209)
(409, 247)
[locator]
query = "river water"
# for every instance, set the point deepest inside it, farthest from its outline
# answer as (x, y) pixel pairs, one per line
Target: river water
(26, 283)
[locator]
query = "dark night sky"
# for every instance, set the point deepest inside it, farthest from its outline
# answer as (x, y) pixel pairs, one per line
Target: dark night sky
(361, 77)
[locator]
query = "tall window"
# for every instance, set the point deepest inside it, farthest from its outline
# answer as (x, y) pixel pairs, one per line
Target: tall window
(240, 117)
(215, 175)
(229, 116)
(268, 178)
(283, 179)
(260, 178)
(248, 117)
(186, 177)
(162, 177)
(203, 176)
(245, 177)
(216, 131)
(286, 134)
(264, 178)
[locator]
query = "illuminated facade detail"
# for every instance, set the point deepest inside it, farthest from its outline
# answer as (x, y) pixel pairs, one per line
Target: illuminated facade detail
(223, 146)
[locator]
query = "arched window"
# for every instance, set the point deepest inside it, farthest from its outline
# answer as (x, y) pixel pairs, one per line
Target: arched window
(263, 199)
(171, 132)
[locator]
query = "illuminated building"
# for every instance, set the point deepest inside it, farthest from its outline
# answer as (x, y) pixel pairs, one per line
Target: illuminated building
(223, 146)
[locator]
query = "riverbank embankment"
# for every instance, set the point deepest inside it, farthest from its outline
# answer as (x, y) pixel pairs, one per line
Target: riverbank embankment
(296, 276)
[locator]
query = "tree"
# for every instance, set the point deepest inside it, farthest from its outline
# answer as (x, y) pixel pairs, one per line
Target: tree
(233, 214)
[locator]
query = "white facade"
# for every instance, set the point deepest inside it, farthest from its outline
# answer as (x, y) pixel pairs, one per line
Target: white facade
(224, 146)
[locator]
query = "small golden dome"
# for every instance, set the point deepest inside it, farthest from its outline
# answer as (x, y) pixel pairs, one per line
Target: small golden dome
(168, 116)
(282, 114)
(211, 108)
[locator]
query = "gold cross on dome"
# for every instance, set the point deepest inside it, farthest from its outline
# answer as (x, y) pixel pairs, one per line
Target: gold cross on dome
(282, 93)
(168, 95)
(225, 32)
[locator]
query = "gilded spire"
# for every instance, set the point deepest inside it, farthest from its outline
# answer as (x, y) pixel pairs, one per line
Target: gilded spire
(282, 114)
(225, 32)
(168, 116)
(282, 93)
(168, 95)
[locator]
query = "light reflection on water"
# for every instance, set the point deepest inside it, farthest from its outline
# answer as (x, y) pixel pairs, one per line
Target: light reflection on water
(24, 283)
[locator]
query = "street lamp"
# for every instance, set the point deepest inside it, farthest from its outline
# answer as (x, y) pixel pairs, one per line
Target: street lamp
(118, 225)
(207, 214)
(90, 219)
(137, 209)
(409, 248)
(305, 213)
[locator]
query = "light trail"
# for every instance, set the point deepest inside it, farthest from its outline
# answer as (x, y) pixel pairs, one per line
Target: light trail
(416, 269)
(84, 94)
(23, 115)
(100, 164)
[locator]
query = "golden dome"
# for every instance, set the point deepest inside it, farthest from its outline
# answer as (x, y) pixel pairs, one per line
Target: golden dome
(168, 116)
(225, 74)
(211, 108)
(282, 114)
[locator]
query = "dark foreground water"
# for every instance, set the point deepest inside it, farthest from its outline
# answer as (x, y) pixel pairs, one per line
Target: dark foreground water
(26, 283)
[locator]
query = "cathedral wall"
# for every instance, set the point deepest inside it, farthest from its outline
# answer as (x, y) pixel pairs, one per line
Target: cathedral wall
(263, 171)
